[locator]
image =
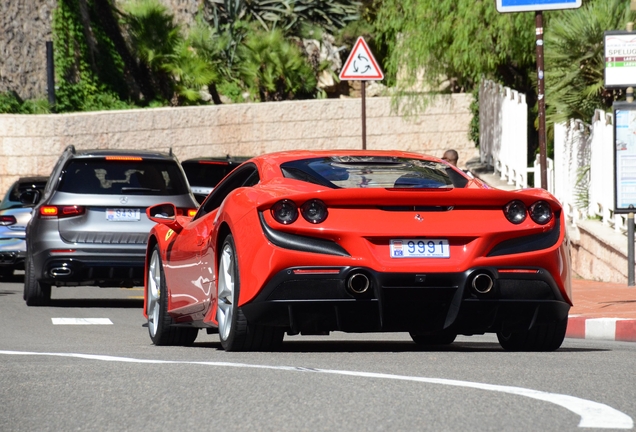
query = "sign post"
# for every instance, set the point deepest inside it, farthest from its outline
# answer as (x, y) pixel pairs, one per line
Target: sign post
(620, 71)
(361, 66)
(538, 6)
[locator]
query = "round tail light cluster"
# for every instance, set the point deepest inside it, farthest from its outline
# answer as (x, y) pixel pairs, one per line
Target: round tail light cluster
(540, 212)
(286, 211)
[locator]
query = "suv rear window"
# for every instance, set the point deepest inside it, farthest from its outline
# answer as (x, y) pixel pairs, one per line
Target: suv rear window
(374, 172)
(142, 177)
(205, 173)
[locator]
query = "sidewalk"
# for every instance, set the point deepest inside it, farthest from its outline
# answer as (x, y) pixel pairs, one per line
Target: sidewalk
(602, 310)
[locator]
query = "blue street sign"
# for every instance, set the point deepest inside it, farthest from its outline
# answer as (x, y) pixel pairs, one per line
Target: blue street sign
(536, 5)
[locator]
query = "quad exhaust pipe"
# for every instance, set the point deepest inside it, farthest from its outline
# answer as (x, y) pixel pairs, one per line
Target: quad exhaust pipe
(358, 283)
(482, 283)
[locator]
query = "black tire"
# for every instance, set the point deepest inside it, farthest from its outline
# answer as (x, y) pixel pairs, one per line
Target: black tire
(35, 293)
(235, 333)
(545, 337)
(444, 338)
(160, 323)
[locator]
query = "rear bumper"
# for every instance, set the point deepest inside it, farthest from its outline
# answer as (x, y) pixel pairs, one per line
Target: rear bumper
(113, 268)
(12, 253)
(304, 300)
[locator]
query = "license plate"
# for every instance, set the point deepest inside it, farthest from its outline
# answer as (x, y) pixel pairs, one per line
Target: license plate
(122, 215)
(420, 248)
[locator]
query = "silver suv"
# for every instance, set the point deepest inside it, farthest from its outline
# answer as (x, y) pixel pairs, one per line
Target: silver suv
(14, 216)
(90, 228)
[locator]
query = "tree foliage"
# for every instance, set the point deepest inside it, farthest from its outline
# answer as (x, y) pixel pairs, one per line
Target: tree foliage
(274, 69)
(89, 70)
(114, 55)
(457, 42)
(12, 103)
(290, 16)
(575, 59)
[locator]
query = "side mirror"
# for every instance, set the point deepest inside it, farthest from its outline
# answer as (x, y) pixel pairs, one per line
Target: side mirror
(165, 214)
(30, 197)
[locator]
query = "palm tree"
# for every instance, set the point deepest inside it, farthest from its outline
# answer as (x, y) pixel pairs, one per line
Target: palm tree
(274, 69)
(180, 66)
(575, 59)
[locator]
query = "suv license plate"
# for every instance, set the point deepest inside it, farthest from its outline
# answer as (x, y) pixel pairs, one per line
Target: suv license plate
(420, 248)
(122, 215)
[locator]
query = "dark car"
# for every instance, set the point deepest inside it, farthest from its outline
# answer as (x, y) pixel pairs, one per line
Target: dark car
(14, 216)
(206, 172)
(90, 227)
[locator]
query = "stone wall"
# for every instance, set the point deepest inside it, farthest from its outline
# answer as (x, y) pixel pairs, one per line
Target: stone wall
(599, 252)
(25, 26)
(30, 144)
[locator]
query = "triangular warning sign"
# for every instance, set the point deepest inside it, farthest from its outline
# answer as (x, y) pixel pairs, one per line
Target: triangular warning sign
(361, 64)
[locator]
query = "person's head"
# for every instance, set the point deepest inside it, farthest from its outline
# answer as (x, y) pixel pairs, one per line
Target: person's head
(451, 157)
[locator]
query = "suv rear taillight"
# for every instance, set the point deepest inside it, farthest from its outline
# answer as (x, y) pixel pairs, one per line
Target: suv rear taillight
(190, 212)
(61, 211)
(6, 220)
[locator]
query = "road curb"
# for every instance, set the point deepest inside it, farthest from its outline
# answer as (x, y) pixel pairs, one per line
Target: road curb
(615, 329)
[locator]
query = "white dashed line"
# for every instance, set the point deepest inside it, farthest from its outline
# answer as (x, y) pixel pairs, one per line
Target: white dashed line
(81, 321)
(593, 414)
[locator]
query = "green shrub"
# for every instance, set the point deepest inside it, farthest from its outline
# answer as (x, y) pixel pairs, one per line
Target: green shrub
(273, 69)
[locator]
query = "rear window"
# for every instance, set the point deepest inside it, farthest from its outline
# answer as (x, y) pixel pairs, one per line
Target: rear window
(143, 177)
(207, 173)
(374, 172)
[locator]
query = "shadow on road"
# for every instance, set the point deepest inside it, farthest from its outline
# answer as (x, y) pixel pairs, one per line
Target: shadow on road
(16, 278)
(389, 346)
(98, 303)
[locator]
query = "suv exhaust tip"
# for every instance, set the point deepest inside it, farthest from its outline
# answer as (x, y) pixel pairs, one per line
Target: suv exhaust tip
(60, 271)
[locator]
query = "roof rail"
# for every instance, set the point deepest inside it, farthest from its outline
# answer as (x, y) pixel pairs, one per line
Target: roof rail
(70, 148)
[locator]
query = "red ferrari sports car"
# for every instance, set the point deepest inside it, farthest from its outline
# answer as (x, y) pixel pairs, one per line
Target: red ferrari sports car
(311, 242)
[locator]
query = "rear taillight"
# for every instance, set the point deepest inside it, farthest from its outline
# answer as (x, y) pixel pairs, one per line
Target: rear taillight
(61, 211)
(540, 212)
(6, 220)
(213, 163)
(186, 212)
(285, 212)
(314, 211)
(124, 158)
(515, 211)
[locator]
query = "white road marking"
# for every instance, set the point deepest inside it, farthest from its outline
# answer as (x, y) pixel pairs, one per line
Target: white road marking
(593, 414)
(81, 321)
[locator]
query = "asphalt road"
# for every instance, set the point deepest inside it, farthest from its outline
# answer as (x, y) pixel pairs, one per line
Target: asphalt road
(97, 370)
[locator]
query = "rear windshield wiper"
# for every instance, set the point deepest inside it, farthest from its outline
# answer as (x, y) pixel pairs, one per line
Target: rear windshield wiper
(139, 189)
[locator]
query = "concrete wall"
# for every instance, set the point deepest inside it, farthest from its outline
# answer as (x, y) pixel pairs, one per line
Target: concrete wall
(30, 144)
